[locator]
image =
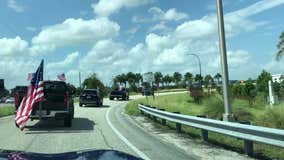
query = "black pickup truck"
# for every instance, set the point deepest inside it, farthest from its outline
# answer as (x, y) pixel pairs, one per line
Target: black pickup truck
(119, 94)
(19, 95)
(58, 103)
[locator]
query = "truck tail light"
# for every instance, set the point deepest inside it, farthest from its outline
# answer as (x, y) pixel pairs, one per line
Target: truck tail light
(65, 100)
(17, 103)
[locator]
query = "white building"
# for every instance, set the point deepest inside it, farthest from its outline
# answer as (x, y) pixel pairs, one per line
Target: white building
(277, 78)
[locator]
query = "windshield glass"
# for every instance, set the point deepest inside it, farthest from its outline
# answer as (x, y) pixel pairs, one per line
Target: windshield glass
(156, 79)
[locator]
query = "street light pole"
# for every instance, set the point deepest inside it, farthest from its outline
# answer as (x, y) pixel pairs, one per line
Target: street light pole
(227, 116)
(199, 63)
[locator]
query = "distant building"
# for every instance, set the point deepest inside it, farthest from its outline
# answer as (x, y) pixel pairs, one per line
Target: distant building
(277, 77)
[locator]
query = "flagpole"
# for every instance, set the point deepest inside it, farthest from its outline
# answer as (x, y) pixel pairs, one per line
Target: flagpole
(40, 103)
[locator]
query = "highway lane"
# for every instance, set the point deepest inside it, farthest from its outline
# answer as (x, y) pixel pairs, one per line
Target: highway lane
(93, 128)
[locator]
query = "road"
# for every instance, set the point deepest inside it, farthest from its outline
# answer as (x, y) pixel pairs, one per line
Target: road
(106, 127)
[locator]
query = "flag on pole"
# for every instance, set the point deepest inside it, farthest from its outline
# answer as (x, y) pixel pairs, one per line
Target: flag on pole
(30, 76)
(33, 94)
(61, 77)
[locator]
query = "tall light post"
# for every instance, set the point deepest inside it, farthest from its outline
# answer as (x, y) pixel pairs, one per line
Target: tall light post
(227, 116)
(199, 63)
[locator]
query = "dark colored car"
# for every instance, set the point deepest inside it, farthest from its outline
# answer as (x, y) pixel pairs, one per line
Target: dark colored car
(19, 95)
(86, 155)
(119, 94)
(92, 97)
(58, 103)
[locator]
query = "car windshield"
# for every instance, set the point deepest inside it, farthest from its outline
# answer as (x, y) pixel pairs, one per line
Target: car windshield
(90, 92)
(155, 79)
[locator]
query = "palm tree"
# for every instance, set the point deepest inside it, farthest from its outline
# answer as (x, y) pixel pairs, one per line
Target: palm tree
(218, 76)
(280, 47)
(167, 79)
(177, 77)
(158, 78)
(208, 79)
(188, 77)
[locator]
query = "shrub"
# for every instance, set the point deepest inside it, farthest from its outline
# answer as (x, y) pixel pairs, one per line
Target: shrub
(273, 117)
(241, 114)
(214, 107)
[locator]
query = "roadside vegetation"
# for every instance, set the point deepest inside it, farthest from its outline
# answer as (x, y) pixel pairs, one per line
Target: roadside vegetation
(6, 111)
(213, 108)
(249, 104)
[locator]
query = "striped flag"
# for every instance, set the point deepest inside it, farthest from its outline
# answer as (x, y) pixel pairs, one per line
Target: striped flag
(61, 77)
(33, 94)
(30, 76)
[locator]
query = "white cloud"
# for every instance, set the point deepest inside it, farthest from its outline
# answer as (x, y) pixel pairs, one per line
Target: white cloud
(160, 27)
(13, 4)
(74, 32)
(67, 62)
(133, 30)
(105, 8)
(171, 56)
(169, 15)
(156, 43)
(13, 46)
(103, 52)
(15, 70)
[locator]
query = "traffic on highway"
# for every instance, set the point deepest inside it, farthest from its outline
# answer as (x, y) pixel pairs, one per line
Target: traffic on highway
(141, 79)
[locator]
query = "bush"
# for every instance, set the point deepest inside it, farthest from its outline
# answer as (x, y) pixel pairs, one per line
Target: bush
(214, 107)
(241, 114)
(273, 117)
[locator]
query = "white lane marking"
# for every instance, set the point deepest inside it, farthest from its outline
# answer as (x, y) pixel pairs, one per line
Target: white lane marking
(136, 150)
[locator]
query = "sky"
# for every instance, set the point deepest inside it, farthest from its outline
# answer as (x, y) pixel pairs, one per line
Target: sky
(109, 37)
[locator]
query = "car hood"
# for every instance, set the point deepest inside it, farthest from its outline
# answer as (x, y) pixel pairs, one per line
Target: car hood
(76, 155)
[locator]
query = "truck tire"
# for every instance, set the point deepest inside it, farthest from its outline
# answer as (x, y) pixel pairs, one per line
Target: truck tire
(80, 104)
(110, 98)
(68, 121)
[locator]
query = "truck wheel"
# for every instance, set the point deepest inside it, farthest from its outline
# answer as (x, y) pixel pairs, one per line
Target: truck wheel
(110, 98)
(68, 121)
(80, 104)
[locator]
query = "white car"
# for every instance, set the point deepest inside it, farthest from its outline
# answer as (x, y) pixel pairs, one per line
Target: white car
(10, 100)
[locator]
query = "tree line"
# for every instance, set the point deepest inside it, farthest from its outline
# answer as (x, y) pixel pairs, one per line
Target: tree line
(175, 80)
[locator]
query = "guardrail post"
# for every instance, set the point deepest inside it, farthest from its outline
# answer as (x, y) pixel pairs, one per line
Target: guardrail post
(204, 133)
(154, 118)
(248, 145)
(164, 122)
(178, 125)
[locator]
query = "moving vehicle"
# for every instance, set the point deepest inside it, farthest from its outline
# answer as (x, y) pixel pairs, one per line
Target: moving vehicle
(58, 103)
(19, 95)
(10, 100)
(119, 94)
(91, 96)
(90, 154)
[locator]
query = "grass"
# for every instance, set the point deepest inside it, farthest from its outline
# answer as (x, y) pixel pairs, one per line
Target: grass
(6, 111)
(258, 114)
(161, 91)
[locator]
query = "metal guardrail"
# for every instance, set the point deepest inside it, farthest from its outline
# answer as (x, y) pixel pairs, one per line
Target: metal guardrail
(249, 133)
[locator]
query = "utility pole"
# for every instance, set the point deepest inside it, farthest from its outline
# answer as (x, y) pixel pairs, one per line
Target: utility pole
(227, 116)
(80, 84)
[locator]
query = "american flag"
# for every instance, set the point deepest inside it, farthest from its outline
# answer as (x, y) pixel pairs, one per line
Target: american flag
(61, 77)
(30, 76)
(33, 94)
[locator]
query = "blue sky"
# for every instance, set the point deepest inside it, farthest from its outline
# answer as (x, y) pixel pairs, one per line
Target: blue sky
(112, 37)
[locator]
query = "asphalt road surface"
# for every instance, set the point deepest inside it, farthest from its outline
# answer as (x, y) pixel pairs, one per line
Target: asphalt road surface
(104, 127)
